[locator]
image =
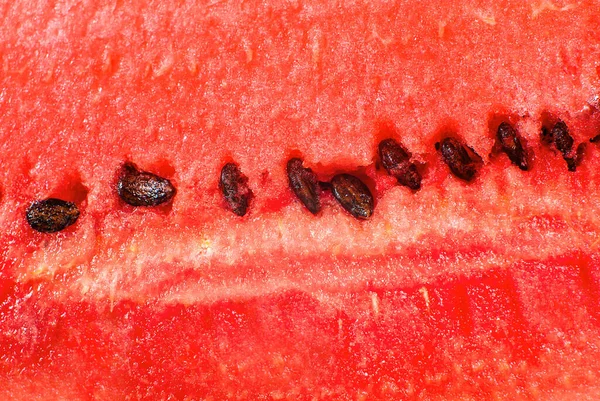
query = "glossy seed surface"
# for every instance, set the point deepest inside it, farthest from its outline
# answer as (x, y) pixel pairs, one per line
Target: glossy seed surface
(462, 160)
(396, 161)
(510, 143)
(141, 188)
(234, 186)
(353, 195)
(303, 182)
(51, 215)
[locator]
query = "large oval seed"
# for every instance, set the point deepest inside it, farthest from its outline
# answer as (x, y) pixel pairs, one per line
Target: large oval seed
(396, 160)
(510, 143)
(234, 186)
(353, 195)
(51, 215)
(461, 159)
(303, 182)
(141, 188)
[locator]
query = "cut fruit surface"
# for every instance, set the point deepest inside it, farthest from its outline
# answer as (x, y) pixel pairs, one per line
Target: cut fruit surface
(524, 332)
(486, 289)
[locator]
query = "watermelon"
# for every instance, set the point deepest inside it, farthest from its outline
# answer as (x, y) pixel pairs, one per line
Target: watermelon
(135, 266)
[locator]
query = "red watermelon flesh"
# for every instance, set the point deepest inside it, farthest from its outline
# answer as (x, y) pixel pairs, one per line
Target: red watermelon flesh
(485, 290)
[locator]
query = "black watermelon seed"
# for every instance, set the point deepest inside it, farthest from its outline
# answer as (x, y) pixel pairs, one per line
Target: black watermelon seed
(396, 160)
(595, 139)
(51, 215)
(510, 143)
(141, 188)
(234, 186)
(353, 195)
(461, 159)
(303, 182)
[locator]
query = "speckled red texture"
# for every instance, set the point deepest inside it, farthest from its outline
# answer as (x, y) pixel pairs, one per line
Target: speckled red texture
(143, 304)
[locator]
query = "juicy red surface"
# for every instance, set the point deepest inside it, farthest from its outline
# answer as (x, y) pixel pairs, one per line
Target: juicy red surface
(521, 333)
(456, 291)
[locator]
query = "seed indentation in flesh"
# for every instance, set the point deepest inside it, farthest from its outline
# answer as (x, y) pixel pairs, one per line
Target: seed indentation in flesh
(353, 195)
(303, 182)
(396, 160)
(51, 215)
(462, 160)
(234, 186)
(510, 143)
(142, 188)
(563, 141)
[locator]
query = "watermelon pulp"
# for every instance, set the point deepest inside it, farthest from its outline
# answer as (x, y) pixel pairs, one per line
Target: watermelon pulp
(478, 290)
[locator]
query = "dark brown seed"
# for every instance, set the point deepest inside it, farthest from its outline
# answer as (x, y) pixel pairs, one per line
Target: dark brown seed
(141, 188)
(353, 195)
(595, 139)
(51, 215)
(562, 139)
(305, 185)
(510, 143)
(396, 160)
(234, 186)
(461, 159)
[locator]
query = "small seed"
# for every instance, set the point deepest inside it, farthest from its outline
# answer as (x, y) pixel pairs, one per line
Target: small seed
(396, 160)
(353, 195)
(51, 215)
(304, 183)
(461, 159)
(595, 139)
(510, 143)
(141, 188)
(563, 141)
(234, 186)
